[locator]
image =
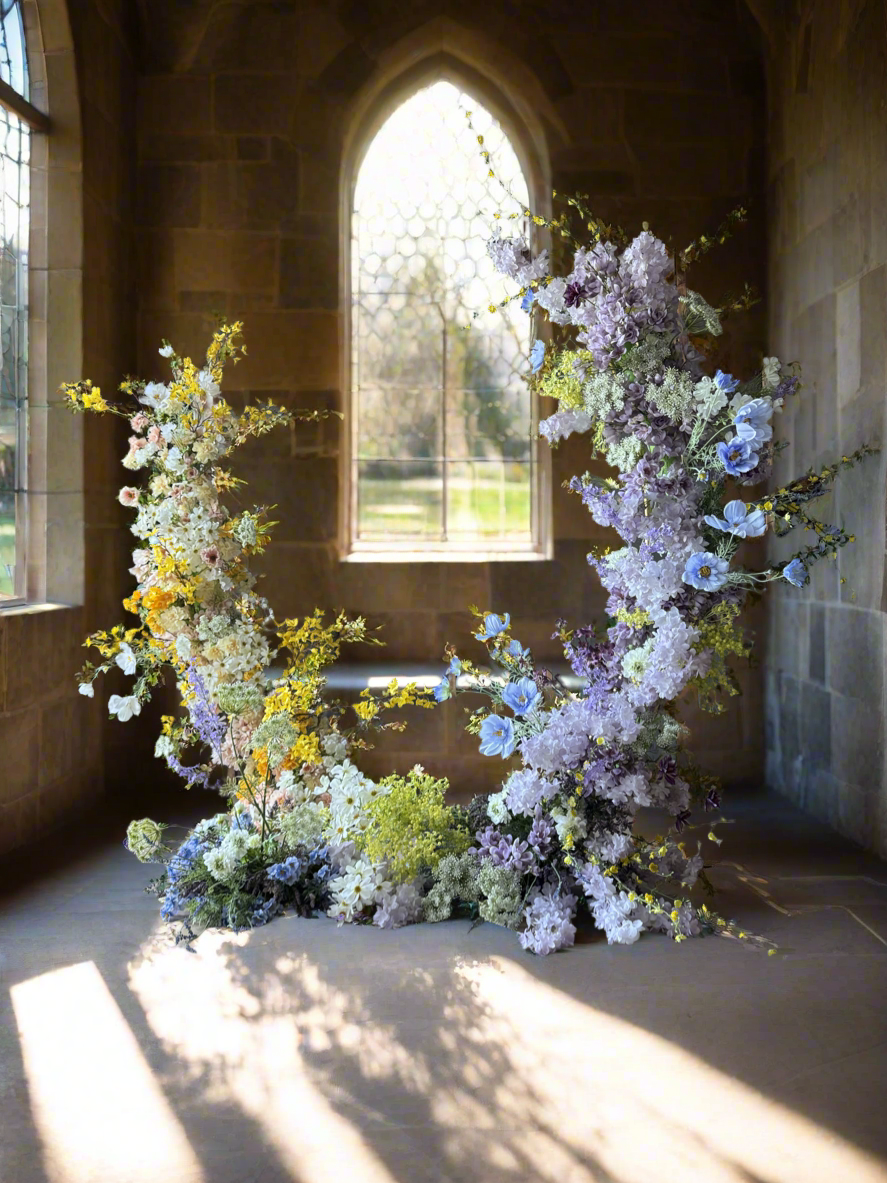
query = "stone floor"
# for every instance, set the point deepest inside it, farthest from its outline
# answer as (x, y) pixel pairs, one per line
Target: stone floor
(441, 1053)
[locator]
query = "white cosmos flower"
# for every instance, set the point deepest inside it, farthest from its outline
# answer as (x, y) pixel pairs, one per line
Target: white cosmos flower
(166, 351)
(156, 395)
(126, 659)
(124, 708)
(86, 689)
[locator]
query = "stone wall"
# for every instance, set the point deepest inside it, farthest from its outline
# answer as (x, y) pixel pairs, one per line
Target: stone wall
(828, 310)
(244, 111)
(56, 745)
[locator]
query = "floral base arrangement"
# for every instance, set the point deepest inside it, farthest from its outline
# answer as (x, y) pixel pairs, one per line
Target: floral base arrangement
(304, 830)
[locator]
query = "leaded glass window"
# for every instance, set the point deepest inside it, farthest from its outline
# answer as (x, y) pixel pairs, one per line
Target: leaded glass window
(14, 194)
(442, 454)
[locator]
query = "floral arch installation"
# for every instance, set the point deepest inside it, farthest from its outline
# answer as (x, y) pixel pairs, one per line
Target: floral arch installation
(628, 361)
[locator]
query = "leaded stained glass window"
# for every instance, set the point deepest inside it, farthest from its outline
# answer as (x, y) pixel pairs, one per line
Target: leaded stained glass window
(442, 455)
(14, 196)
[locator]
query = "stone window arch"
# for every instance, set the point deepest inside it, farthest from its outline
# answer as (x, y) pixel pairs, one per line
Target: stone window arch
(39, 119)
(441, 460)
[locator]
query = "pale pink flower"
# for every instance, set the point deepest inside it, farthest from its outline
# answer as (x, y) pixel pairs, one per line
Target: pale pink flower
(139, 422)
(128, 496)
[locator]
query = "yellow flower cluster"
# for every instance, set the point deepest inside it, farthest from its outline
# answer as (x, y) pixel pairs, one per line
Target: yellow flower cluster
(83, 396)
(559, 379)
(411, 826)
(721, 632)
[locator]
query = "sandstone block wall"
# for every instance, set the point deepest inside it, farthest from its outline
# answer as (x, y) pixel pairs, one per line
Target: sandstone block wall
(57, 749)
(828, 310)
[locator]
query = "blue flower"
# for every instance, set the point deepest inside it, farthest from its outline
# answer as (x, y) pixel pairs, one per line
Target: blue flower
(527, 302)
(455, 667)
(286, 872)
(795, 572)
(537, 356)
(737, 456)
(497, 737)
(441, 691)
(493, 626)
(726, 382)
(752, 422)
(738, 521)
(515, 649)
(706, 571)
(520, 695)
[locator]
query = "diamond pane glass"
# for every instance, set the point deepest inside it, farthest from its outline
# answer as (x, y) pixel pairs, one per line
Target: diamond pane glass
(442, 417)
(14, 198)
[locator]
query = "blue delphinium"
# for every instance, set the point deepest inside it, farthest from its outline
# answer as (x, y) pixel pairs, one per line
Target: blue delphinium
(737, 456)
(493, 626)
(179, 865)
(537, 356)
(265, 912)
(795, 572)
(497, 736)
(706, 571)
(738, 521)
(286, 872)
(520, 695)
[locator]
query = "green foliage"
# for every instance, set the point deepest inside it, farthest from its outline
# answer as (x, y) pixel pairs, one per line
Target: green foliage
(411, 826)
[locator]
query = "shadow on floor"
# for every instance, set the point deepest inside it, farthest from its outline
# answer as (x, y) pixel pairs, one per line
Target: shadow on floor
(441, 1053)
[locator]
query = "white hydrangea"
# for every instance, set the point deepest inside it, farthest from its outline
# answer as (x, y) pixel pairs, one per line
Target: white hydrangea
(224, 860)
(497, 808)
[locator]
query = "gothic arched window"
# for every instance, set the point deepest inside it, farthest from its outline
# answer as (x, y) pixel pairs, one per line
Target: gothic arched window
(442, 459)
(14, 200)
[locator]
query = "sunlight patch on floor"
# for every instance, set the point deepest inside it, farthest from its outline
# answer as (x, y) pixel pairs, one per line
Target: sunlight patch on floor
(498, 1074)
(98, 1108)
(252, 1051)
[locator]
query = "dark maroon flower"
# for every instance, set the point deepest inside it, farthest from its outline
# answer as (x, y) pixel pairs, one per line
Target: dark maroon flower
(713, 800)
(681, 819)
(574, 294)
